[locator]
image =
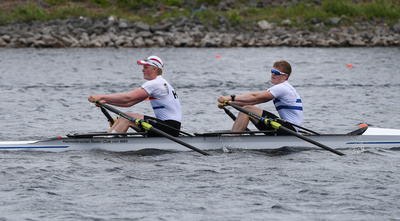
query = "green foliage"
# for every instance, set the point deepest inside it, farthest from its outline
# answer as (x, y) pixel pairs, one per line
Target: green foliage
(234, 17)
(340, 7)
(129, 4)
(30, 12)
(382, 9)
(208, 16)
(374, 9)
(102, 3)
(173, 13)
(256, 14)
(73, 11)
(300, 14)
(56, 2)
(135, 4)
(208, 2)
(172, 2)
(147, 2)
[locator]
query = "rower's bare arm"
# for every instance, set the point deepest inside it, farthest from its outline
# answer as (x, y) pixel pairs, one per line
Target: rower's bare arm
(253, 98)
(264, 96)
(126, 99)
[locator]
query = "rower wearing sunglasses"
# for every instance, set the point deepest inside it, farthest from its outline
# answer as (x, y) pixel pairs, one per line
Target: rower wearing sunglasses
(285, 98)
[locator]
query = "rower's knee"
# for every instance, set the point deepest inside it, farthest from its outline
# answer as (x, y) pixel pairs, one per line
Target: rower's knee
(123, 120)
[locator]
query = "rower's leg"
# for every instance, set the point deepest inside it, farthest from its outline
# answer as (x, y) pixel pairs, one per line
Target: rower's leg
(123, 124)
(240, 123)
(243, 119)
(255, 110)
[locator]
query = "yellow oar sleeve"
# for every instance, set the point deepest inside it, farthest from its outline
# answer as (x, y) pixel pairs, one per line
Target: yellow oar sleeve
(273, 124)
(146, 125)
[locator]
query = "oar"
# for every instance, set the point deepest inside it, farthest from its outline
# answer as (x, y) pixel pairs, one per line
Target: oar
(171, 128)
(278, 126)
(108, 116)
(150, 128)
(112, 121)
(277, 119)
(295, 125)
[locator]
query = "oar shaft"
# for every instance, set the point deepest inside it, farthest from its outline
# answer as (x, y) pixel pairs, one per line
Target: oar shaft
(108, 116)
(149, 127)
(241, 109)
(278, 126)
(232, 116)
(112, 109)
(310, 141)
(162, 133)
(300, 127)
(260, 118)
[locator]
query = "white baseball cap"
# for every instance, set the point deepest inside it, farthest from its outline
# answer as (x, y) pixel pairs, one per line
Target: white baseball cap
(153, 61)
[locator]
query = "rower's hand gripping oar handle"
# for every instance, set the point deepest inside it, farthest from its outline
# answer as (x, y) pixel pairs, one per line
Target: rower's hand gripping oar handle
(278, 126)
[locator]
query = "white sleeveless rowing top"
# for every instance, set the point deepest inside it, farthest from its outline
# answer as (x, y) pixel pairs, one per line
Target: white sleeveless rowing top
(287, 102)
(163, 99)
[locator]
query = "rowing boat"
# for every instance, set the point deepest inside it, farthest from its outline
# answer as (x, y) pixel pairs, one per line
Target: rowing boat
(366, 137)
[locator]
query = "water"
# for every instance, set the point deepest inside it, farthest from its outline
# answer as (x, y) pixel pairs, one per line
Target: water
(44, 94)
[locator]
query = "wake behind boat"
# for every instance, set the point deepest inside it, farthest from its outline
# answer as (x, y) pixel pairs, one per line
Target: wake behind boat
(366, 137)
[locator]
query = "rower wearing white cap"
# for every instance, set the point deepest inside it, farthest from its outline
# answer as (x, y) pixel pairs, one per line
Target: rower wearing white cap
(163, 98)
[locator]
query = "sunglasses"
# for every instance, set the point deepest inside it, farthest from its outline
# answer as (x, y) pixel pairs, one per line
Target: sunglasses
(273, 71)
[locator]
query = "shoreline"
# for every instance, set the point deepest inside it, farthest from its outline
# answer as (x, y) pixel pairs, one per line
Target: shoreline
(189, 32)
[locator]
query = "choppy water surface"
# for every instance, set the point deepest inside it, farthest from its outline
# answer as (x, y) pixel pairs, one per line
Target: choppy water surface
(44, 94)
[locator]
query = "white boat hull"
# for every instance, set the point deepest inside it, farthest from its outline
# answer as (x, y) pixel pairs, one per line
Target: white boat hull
(372, 139)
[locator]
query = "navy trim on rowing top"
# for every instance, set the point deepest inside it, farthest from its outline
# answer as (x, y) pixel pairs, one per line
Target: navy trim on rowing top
(277, 100)
(289, 107)
(158, 107)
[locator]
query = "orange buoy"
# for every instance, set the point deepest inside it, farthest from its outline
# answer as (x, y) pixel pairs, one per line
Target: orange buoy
(363, 125)
(349, 65)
